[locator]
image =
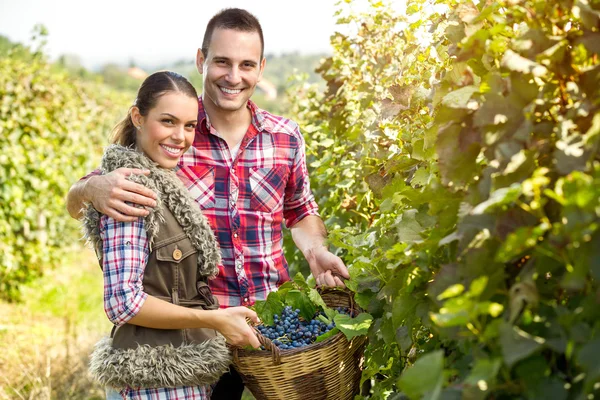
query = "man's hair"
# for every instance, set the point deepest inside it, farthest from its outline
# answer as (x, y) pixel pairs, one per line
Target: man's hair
(236, 19)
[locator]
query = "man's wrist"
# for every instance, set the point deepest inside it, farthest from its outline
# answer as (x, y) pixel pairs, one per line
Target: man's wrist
(84, 192)
(311, 252)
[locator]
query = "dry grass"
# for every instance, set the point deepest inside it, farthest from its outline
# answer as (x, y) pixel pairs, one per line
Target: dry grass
(46, 340)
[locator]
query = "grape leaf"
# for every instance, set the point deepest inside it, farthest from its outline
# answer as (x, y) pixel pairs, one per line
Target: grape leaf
(269, 307)
(300, 300)
(425, 378)
(352, 327)
(327, 335)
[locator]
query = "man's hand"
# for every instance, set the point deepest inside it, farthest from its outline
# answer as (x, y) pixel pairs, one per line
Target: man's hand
(110, 193)
(326, 267)
(232, 324)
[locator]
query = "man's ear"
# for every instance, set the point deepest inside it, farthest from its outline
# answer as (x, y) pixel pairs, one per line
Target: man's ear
(263, 62)
(136, 117)
(200, 61)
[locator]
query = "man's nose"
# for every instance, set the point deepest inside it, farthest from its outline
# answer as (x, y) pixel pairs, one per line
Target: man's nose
(233, 76)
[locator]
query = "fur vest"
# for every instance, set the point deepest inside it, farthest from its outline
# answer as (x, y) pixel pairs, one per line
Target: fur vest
(184, 254)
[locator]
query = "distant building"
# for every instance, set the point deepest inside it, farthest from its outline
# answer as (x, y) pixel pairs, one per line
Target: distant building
(267, 88)
(137, 73)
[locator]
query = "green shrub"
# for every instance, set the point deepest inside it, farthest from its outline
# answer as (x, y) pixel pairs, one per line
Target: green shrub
(455, 158)
(53, 130)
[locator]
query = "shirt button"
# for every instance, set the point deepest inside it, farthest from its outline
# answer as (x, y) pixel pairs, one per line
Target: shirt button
(245, 299)
(235, 235)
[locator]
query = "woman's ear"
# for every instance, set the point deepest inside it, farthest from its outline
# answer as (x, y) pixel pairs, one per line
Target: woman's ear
(136, 118)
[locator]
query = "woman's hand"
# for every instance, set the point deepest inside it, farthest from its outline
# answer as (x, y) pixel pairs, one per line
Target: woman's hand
(232, 324)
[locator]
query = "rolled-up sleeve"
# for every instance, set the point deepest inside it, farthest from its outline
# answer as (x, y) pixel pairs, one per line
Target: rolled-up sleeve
(125, 254)
(299, 199)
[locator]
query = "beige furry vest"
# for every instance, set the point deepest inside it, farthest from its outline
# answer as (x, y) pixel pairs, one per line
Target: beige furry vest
(184, 253)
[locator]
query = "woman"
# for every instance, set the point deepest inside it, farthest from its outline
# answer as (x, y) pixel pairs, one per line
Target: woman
(164, 344)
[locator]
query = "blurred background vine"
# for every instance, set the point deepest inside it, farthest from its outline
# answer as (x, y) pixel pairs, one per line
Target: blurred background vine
(453, 149)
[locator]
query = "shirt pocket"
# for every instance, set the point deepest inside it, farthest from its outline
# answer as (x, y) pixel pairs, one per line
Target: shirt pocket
(200, 182)
(176, 250)
(268, 187)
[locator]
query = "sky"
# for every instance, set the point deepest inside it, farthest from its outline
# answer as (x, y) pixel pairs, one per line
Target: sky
(160, 32)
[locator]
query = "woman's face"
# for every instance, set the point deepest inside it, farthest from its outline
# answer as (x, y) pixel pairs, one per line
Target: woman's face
(168, 129)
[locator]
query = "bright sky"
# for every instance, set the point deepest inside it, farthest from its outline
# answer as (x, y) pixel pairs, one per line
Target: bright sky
(160, 32)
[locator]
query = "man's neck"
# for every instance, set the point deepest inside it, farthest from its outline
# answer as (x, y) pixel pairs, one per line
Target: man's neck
(231, 125)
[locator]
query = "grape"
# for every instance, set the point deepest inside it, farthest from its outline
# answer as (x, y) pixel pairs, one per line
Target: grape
(291, 331)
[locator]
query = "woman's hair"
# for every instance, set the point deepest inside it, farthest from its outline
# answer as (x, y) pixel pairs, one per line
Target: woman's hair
(153, 87)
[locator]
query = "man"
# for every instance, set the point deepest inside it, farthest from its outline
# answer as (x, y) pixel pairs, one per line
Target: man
(247, 172)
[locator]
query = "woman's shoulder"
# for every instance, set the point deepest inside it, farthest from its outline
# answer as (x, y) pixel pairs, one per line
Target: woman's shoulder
(110, 228)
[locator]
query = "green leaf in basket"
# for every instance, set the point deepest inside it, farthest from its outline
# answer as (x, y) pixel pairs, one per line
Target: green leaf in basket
(351, 327)
(316, 298)
(283, 289)
(269, 307)
(327, 335)
(300, 300)
(300, 281)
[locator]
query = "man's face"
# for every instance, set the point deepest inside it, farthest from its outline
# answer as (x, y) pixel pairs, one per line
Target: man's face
(231, 69)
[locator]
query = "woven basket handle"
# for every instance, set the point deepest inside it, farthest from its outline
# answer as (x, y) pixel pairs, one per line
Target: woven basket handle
(267, 344)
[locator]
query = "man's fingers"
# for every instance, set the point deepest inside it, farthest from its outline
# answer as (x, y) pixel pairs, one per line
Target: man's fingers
(338, 281)
(130, 211)
(117, 216)
(140, 190)
(328, 278)
(341, 268)
(319, 280)
(129, 171)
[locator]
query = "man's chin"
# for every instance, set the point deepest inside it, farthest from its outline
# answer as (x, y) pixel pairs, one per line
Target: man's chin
(231, 106)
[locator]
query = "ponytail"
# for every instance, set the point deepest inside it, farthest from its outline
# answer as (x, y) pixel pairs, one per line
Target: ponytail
(124, 132)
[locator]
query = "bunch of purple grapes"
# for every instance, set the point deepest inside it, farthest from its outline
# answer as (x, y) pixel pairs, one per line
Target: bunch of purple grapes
(290, 331)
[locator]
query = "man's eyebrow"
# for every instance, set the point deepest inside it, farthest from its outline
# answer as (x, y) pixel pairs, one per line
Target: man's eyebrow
(223, 58)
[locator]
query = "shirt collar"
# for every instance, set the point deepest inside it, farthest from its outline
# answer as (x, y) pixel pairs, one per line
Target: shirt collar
(258, 117)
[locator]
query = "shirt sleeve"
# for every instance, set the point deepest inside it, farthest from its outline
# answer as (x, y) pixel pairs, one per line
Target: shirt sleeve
(299, 200)
(93, 173)
(125, 254)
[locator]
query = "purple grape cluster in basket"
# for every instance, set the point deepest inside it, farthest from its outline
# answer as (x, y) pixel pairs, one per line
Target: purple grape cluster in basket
(292, 331)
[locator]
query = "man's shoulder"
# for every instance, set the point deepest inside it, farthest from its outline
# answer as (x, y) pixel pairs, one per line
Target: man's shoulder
(277, 124)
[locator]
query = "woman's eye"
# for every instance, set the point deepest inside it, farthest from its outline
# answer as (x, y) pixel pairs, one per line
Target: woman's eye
(167, 121)
(191, 126)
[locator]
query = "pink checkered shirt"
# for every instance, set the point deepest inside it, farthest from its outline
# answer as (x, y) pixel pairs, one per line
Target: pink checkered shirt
(247, 199)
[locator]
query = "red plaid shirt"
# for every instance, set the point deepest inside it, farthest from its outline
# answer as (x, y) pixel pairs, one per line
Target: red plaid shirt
(247, 199)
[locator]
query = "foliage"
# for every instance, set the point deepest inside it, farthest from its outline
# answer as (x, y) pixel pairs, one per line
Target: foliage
(298, 295)
(45, 340)
(454, 154)
(53, 130)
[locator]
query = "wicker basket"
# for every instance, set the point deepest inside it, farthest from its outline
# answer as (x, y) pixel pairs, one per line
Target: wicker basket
(330, 369)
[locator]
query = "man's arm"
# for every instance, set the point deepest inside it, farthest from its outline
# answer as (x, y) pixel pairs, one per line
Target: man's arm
(309, 235)
(110, 193)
